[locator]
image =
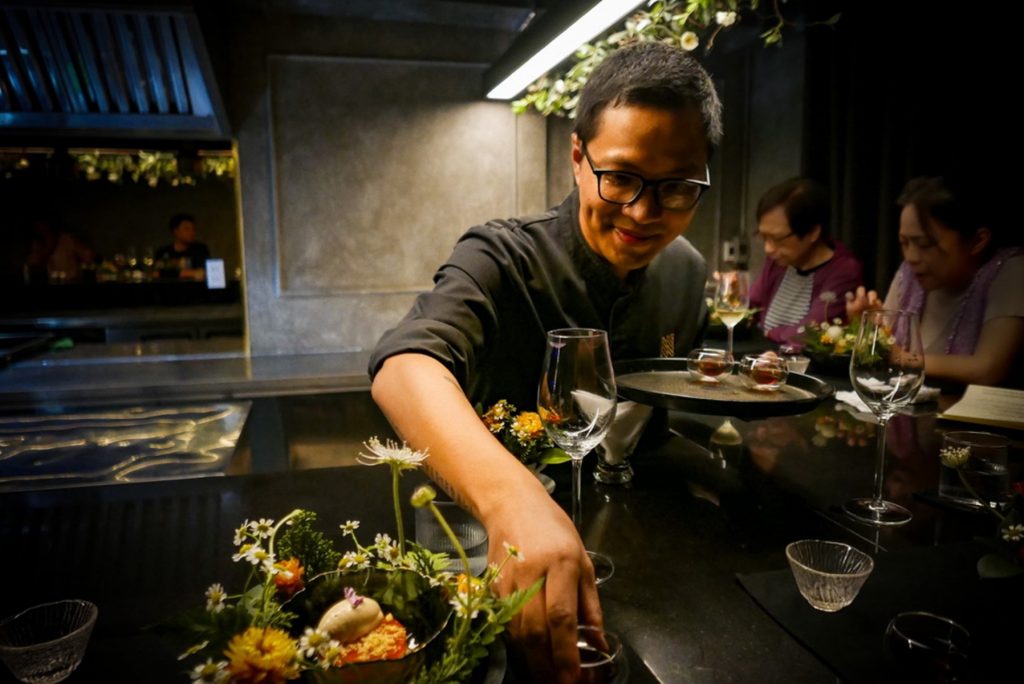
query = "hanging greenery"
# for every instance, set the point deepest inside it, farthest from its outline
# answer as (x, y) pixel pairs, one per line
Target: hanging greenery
(685, 23)
(151, 167)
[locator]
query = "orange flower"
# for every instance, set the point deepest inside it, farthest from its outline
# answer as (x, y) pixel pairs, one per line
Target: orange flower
(262, 656)
(289, 577)
(528, 426)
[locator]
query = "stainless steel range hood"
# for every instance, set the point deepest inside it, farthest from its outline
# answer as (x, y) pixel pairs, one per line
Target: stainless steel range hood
(111, 72)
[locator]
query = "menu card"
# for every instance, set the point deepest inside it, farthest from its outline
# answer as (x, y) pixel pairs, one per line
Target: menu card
(989, 406)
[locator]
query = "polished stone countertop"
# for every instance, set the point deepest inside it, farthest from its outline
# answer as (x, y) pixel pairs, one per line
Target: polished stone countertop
(172, 371)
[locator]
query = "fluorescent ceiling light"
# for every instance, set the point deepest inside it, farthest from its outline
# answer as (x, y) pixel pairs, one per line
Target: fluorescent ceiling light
(597, 19)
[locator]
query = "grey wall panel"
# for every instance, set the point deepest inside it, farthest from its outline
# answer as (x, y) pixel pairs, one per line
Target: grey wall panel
(363, 176)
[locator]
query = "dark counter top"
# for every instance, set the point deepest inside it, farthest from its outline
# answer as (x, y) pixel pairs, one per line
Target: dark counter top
(210, 370)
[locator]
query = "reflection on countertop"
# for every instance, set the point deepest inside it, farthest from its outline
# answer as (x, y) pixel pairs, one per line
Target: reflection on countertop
(174, 370)
(118, 445)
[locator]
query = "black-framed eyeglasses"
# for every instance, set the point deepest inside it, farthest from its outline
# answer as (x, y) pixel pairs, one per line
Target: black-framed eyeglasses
(769, 240)
(624, 187)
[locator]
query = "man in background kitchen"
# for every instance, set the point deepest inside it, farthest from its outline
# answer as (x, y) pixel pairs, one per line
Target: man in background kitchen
(185, 254)
(611, 256)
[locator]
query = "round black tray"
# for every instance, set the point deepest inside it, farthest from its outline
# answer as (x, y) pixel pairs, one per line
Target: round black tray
(633, 381)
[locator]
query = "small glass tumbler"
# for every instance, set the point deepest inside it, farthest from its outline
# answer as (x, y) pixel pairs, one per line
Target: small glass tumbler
(795, 360)
(709, 365)
(602, 660)
(45, 643)
(828, 574)
(764, 373)
(470, 533)
(985, 470)
(923, 647)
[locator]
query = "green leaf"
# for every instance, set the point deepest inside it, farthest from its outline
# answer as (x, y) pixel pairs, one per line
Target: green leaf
(553, 456)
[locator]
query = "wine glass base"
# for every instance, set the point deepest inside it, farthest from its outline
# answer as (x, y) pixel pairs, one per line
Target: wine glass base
(881, 513)
(604, 568)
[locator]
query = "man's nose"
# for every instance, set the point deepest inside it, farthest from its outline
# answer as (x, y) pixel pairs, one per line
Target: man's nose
(645, 208)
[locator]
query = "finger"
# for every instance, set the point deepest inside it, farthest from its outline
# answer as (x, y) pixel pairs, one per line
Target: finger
(533, 645)
(562, 591)
(589, 603)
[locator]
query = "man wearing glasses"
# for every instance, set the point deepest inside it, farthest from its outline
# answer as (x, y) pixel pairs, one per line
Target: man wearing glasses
(611, 256)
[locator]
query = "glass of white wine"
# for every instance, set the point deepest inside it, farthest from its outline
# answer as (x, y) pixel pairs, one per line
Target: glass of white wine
(732, 300)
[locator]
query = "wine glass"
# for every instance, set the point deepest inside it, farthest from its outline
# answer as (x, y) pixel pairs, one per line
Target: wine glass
(732, 300)
(887, 370)
(576, 402)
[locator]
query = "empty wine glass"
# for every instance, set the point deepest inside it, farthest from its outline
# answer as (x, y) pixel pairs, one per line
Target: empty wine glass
(576, 402)
(887, 370)
(732, 300)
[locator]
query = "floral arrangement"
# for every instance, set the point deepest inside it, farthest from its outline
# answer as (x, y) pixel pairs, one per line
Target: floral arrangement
(829, 338)
(677, 22)
(276, 627)
(523, 434)
(1008, 558)
(843, 428)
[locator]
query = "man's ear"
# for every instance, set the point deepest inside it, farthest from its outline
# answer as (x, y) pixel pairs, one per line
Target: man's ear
(576, 155)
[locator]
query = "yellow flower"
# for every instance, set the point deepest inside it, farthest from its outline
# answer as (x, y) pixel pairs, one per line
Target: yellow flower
(262, 656)
(528, 426)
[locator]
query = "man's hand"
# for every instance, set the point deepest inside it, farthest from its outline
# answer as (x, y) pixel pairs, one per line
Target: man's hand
(544, 633)
(427, 408)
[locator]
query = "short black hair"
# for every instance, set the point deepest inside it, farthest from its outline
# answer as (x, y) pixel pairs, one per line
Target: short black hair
(962, 202)
(651, 75)
(178, 219)
(805, 202)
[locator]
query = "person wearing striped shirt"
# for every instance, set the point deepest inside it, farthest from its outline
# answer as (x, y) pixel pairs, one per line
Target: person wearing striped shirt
(806, 274)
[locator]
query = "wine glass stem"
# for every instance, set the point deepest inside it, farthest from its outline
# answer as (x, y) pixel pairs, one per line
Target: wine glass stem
(577, 506)
(729, 337)
(883, 421)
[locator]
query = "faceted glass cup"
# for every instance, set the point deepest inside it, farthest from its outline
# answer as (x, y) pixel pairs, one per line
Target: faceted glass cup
(45, 643)
(828, 574)
(470, 533)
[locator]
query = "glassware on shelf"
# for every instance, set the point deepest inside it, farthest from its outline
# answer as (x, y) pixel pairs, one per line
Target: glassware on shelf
(887, 371)
(576, 400)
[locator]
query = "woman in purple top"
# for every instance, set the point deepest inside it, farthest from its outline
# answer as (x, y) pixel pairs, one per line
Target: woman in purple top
(806, 275)
(963, 273)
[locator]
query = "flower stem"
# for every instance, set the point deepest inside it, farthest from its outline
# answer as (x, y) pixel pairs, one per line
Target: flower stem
(451, 536)
(984, 502)
(395, 474)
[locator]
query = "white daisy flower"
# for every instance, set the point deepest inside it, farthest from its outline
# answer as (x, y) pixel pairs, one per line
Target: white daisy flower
(354, 560)
(262, 528)
(315, 642)
(460, 602)
(242, 533)
(349, 527)
(257, 555)
(689, 41)
(210, 672)
(1013, 533)
(215, 596)
(389, 453)
(514, 552)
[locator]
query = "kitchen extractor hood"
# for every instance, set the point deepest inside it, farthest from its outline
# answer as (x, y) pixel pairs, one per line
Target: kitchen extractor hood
(121, 72)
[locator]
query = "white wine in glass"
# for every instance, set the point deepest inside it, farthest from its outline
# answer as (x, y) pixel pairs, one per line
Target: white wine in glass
(732, 300)
(887, 371)
(576, 401)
